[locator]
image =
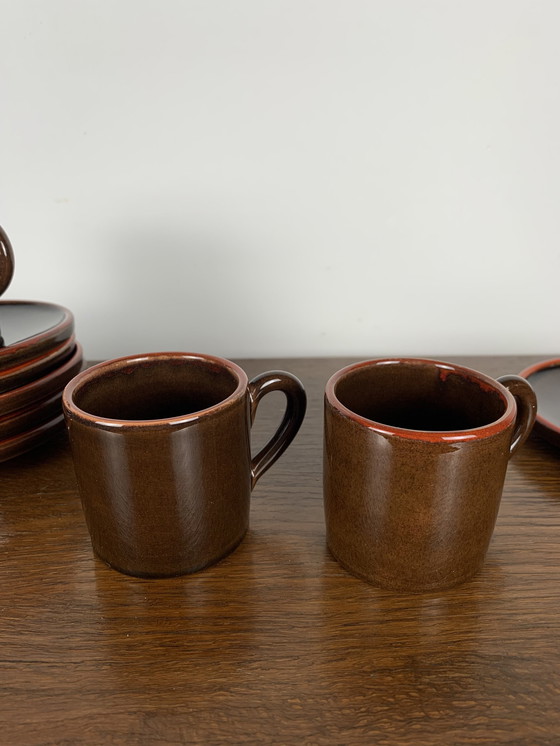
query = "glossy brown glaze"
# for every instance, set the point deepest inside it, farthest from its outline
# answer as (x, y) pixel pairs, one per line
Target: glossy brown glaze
(161, 446)
(19, 422)
(415, 457)
(6, 268)
(6, 261)
(36, 436)
(39, 366)
(43, 387)
(31, 329)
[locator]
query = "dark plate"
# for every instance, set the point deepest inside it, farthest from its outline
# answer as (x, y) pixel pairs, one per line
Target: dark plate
(43, 387)
(12, 447)
(31, 370)
(544, 377)
(21, 421)
(30, 329)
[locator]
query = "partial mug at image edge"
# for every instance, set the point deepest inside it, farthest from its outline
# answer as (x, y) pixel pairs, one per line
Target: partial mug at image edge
(161, 449)
(415, 457)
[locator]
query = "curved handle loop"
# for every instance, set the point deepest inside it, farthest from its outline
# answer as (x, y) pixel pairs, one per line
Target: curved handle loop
(526, 401)
(6, 261)
(296, 402)
(6, 266)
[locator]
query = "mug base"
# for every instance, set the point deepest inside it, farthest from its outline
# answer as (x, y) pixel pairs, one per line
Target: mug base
(397, 584)
(176, 573)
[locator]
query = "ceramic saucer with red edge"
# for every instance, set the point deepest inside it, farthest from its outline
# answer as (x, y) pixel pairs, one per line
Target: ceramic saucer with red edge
(544, 377)
(42, 387)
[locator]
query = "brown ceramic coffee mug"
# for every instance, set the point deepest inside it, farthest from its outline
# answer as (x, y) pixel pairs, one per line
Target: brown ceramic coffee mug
(161, 448)
(415, 456)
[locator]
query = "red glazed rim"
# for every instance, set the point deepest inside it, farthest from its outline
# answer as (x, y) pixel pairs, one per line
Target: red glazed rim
(36, 366)
(36, 408)
(433, 436)
(27, 441)
(46, 357)
(535, 368)
(42, 387)
(57, 333)
(112, 366)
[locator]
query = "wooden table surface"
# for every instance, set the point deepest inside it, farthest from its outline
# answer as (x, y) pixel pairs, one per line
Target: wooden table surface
(276, 644)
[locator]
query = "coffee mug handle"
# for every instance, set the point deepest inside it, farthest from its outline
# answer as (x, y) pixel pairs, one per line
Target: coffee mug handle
(526, 401)
(296, 402)
(6, 261)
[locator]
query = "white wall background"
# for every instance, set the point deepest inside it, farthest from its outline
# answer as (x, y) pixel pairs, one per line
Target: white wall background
(286, 177)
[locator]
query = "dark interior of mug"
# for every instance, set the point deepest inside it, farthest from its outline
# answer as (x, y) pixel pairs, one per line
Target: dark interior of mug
(155, 388)
(420, 397)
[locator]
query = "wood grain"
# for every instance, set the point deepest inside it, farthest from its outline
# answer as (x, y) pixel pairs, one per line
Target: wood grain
(276, 644)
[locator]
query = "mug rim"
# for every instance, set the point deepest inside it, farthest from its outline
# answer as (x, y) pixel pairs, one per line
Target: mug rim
(434, 436)
(99, 370)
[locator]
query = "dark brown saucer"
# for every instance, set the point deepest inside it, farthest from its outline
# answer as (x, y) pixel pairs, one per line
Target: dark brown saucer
(43, 387)
(544, 377)
(30, 329)
(28, 418)
(31, 370)
(15, 446)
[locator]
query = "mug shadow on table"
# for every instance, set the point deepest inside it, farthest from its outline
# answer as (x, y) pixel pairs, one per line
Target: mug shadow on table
(398, 656)
(189, 634)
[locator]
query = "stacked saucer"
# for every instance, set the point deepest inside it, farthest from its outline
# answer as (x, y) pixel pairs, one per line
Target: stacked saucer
(38, 356)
